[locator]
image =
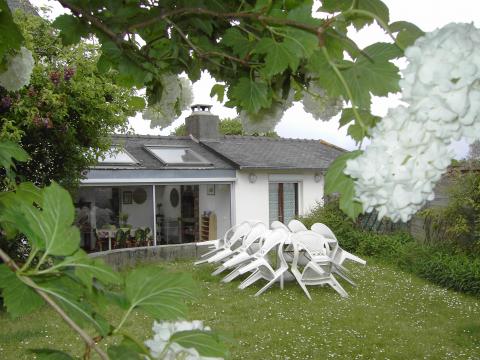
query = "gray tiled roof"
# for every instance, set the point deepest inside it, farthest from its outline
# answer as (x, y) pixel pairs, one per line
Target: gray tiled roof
(235, 152)
(252, 152)
(134, 144)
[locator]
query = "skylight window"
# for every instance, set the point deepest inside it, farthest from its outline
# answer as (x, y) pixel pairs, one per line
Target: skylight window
(179, 156)
(117, 156)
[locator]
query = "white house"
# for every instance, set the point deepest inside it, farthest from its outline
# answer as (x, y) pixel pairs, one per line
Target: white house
(195, 187)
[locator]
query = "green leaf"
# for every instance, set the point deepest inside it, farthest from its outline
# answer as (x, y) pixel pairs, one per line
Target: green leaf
(49, 228)
(9, 151)
(239, 43)
(19, 298)
(204, 24)
(382, 52)
(137, 103)
(219, 91)
(376, 7)
(71, 29)
(279, 55)
(205, 342)
(333, 6)
(336, 181)
(54, 222)
(355, 131)
(157, 292)
(407, 33)
(367, 118)
(68, 293)
(376, 75)
(87, 269)
(128, 349)
(251, 95)
(11, 37)
(318, 65)
(121, 352)
(29, 193)
(50, 354)
(303, 14)
(301, 42)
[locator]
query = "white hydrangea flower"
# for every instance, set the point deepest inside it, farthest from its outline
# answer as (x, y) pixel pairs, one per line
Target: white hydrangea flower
(266, 119)
(177, 96)
(409, 151)
(319, 104)
(161, 346)
(19, 70)
(442, 80)
(397, 172)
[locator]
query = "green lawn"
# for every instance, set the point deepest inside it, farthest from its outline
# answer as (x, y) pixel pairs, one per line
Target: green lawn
(390, 315)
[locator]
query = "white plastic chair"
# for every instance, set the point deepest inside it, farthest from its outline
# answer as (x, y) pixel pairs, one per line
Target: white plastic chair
(278, 225)
(296, 226)
(233, 235)
(318, 269)
(250, 244)
(261, 267)
(338, 254)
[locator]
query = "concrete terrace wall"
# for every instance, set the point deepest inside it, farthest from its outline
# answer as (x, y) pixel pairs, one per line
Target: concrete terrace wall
(121, 258)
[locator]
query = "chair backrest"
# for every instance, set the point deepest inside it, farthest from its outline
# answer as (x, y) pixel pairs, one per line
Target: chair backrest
(311, 241)
(296, 226)
(273, 239)
(278, 225)
(258, 231)
(323, 230)
(239, 233)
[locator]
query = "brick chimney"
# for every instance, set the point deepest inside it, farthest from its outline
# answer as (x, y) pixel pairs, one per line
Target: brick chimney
(202, 124)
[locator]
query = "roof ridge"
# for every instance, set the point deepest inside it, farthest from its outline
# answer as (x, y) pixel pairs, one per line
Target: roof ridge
(146, 136)
(279, 139)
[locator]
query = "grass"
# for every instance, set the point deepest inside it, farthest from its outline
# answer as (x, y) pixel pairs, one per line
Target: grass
(390, 315)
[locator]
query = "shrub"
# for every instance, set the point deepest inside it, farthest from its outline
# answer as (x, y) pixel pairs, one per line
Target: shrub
(458, 223)
(444, 265)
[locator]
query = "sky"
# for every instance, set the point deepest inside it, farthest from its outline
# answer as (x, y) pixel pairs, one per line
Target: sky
(296, 123)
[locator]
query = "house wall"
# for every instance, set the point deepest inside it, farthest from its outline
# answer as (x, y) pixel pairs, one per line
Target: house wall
(251, 199)
(218, 203)
(139, 215)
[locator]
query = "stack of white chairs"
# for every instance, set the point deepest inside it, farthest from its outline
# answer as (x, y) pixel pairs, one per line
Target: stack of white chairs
(312, 256)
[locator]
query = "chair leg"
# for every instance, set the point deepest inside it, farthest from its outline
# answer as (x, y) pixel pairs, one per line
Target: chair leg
(337, 287)
(219, 270)
(298, 277)
(234, 274)
(263, 289)
(344, 277)
(250, 280)
(355, 258)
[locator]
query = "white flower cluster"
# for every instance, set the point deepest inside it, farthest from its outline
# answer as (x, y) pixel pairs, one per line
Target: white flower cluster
(19, 70)
(161, 346)
(266, 119)
(176, 96)
(319, 104)
(409, 150)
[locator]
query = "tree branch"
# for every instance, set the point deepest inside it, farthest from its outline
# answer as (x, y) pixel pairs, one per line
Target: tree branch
(226, 15)
(29, 282)
(206, 54)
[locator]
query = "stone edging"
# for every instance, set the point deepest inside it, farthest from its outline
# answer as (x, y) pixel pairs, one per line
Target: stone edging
(120, 258)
